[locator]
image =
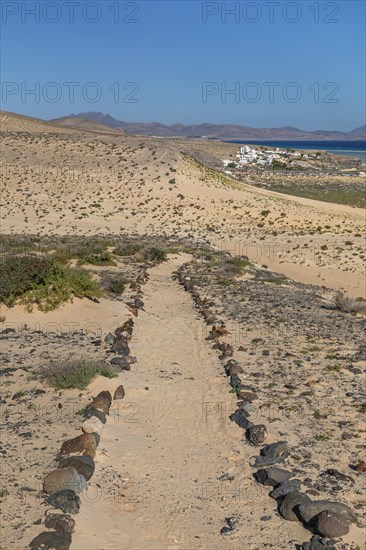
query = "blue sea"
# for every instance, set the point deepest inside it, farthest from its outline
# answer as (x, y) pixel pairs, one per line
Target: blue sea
(355, 149)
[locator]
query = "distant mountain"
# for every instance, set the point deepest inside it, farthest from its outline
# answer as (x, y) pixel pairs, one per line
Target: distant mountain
(209, 130)
(361, 131)
(84, 124)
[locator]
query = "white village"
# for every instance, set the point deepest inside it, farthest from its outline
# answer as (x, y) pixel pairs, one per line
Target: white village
(247, 155)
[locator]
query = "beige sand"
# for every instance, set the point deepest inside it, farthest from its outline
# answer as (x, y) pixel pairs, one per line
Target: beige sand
(58, 180)
(170, 441)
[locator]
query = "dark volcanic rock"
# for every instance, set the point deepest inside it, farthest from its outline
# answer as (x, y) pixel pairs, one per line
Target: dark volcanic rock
(127, 328)
(234, 369)
(256, 434)
(121, 362)
(100, 404)
(334, 474)
(232, 363)
(139, 303)
(84, 465)
(67, 501)
(246, 395)
(90, 411)
(226, 349)
(51, 540)
(119, 393)
(120, 346)
(229, 528)
(272, 454)
(235, 381)
(309, 510)
(289, 507)
(286, 487)
(272, 476)
(109, 339)
(240, 417)
(330, 525)
(317, 543)
(60, 522)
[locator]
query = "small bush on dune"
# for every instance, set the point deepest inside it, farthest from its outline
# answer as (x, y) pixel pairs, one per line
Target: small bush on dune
(156, 255)
(99, 258)
(114, 284)
(19, 274)
(141, 252)
(77, 374)
(237, 265)
(88, 252)
(349, 305)
(43, 281)
(128, 249)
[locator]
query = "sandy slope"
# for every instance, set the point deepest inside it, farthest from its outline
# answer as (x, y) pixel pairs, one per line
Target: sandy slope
(59, 180)
(170, 442)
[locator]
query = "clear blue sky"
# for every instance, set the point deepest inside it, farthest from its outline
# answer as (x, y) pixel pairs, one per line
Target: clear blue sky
(170, 49)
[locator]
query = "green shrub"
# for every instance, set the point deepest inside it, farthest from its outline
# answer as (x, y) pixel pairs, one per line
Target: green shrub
(333, 368)
(77, 373)
(156, 255)
(20, 274)
(128, 249)
(43, 281)
(225, 282)
(86, 252)
(114, 284)
(104, 258)
(237, 265)
(275, 280)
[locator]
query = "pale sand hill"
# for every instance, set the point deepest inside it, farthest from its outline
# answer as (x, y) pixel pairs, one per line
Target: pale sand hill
(58, 180)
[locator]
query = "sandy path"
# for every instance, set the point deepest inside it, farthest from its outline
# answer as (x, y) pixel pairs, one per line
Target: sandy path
(167, 450)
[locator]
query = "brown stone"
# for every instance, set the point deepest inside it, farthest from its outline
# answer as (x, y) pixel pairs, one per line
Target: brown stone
(66, 478)
(360, 466)
(330, 525)
(247, 395)
(105, 395)
(235, 369)
(256, 434)
(84, 444)
(119, 393)
(100, 404)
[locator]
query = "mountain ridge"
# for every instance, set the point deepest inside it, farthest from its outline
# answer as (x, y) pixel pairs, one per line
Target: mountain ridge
(212, 130)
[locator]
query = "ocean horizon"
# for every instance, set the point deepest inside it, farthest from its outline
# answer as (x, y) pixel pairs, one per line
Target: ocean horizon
(355, 148)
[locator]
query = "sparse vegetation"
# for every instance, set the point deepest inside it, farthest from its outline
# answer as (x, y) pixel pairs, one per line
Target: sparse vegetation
(128, 249)
(77, 373)
(237, 265)
(113, 284)
(349, 305)
(154, 254)
(43, 281)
